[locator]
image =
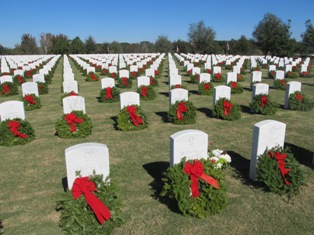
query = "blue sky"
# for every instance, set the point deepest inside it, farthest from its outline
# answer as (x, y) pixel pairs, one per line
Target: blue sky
(137, 20)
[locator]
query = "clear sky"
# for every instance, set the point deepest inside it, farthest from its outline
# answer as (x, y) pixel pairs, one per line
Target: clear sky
(138, 20)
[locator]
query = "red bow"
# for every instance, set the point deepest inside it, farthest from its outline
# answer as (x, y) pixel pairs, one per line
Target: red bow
(92, 76)
(72, 93)
(71, 119)
(227, 107)
(182, 108)
(85, 187)
(144, 91)
(233, 85)
(218, 76)
(133, 74)
(283, 82)
(108, 93)
(264, 101)
(178, 86)
(30, 99)
(6, 89)
(206, 86)
(195, 171)
(151, 81)
(209, 71)
(113, 75)
(299, 97)
(125, 81)
(105, 71)
(280, 157)
(19, 77)
(14, 126)
(190, 71)
(156, 72)
(133, 115)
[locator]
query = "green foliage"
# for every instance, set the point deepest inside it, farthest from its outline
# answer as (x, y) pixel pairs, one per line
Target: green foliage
(217, 77)
(271, 74)
(115, 95)
(92, 77)
(84, 129)
(268, 107)
(18, 79)
(194, 78)
(280, 84)
(124, 83)
(13, 90)
(291, 74)
(176, 190)
(236, 88)
(29, 106)
(78, 218)
(234, 113)
(302, 104)
(202, 88)
(7, 138)
(153, 81)
(189, 117)
(42, 88)
(150, 94)
(124, 122)
(269, 174)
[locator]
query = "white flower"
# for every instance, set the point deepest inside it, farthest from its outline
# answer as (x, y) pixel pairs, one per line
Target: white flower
(218, 165)
(217, 152)
(226, 157)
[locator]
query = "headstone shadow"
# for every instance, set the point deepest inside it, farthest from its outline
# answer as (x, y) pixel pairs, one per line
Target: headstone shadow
(194, 92)
(208, 112)
(246, 109)
(164, 93)
(163, 115)
(115, 120)
(302, 155)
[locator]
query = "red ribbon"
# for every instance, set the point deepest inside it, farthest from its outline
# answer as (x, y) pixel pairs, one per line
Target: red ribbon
(182, 108)
(92, 76)
(20, 79)
(156, 72)
(108, 93)
(113, 75)
(151, 81)
(190, 71)
(233, 85)
(71, 119)
(144, 91)
(178, 85)
(6, 89)
(85, 187)
(227, 107)
(40, 87)
(72, 93)
(282, 82)
(197, 77)
(196, 171)
(30, 99)
(206, 86)
(133, 115)
(105, 71)
(209, 71)
(264, 101)
(133, 74)
(280, 157)
(125, 81)
(299, 97)
(217, 76)
(14, 128)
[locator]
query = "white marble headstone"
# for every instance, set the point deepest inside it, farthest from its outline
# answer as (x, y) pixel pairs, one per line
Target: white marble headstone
(150, 73)
(291, 88)
(12, 109)
(123, 73)
(204, 77)
(143, 81)
(6, 78)
(30, 88)
(256, 76)
(107, 82)
(216, 69)
(231, 77)
(175, 80)
(279, 75)
(39, 78)
(221, 91)
(178, 94)
(72, 103)
(129, 98)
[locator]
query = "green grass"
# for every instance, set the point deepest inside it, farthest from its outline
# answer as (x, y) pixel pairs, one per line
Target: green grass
(31, 174)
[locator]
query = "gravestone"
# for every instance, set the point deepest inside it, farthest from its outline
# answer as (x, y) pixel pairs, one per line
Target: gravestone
(12, 109)
(72, 103)
(221, 91)
(70, 85)
(291, 88)
(39, 78)
(133, 68)
(150, 73)
(304, 68)
(288, 68)
(216, 69)
(123, 73)
(143, 81)
(266, 134)
(231, 77)
(178, 94)
(129, 98)
(107, 82)
(6, 78)
(86, 158)
(18, 72)
(256, 76)
(90, 69)
(175, 80)
(196, 70)
(69, 76)
(279, 75)
(113, 69)
(30, 88)
(204, 77)
(192, 144)
(260, 89)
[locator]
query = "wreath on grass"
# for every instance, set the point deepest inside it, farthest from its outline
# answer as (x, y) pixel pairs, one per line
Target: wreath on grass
(109, 95)
(236, 88)
(299, 101)
(42, 88)
(205, 88)
(124, 83)
(16, 132)
(182, 113)
(153, 81)
(255, 69)
(8, 89)
(291, 74)
(240, 78)
(18, 79)
(194, 78)
(178, 86)
(31, 102)
(67, 94)
(48, 78)
(280, 84)
(262, 104)
(278, 170)
(131, 118)
(74, 125)
(146, 92)
(78, 217)
(304, 74)
(196, 187)
(114, 75)
(29, 74)
(218, 78)
(271, 74)
(226, 110)
(92, 77)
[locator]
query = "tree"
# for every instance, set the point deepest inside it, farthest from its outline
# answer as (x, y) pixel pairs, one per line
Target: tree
(46, 43)
(28, 45)
(308, 38)
(163, 45)
(272, 35)
(180, 46)
(201, 38)
(60, 44)
(77, 46)
(90, 45)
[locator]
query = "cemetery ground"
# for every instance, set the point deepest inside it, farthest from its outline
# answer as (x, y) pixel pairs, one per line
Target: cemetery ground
(31, 175)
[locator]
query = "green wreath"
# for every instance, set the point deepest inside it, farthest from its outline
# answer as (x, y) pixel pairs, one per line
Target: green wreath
(217, 77)
(177, 190)
(107, 99)
(153, 81)
(124, 83)
(8, 89)
(226, 110)
(280, 84)
(31, 102)
(291, 74)
(92, 77)
(263, 104)
(299, 101)
(240, 78)
(48, 78)
(125, 123)
(205, 88)
(194, 78)
(271, 74)
(18, 79)
(77, 217)
(150, 93)
(42, 88)
(81, 128)
(25, 133)
(304, 74)
(275, 179)
(236, 88)
(186, 116)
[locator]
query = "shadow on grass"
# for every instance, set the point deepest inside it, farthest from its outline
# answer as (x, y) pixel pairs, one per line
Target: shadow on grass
(164, 93)
(194, 92)
(98, 98)
(302, 155)
(307, 84)
(163, 115)
(208, 112)
(246, 109)
(115, 120)
(247, 89)
(64, 182)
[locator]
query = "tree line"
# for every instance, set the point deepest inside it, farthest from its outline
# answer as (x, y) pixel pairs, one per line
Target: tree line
(271, 36)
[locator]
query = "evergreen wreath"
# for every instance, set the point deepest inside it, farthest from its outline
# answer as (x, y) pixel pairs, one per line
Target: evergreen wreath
(8, 89)
(280, 84)
(263, 104)
(31, 102)
(240, 78)
(42, 88)
(178, 86)
(236, 88)
(74, 125)
(226, 110)
(194, 78)
(217, 77)
(16, 132)
(77, 217)
(146, 92)
(207, 200)
(109, 95)
(153, 81)
(271, 74)
(18, 79)
(92, 77)
(299, 101)
(182, 113)
(291, 74)
(205, 88)
(304, 74)
(131, 118)
(278, 170)
(124, 83)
